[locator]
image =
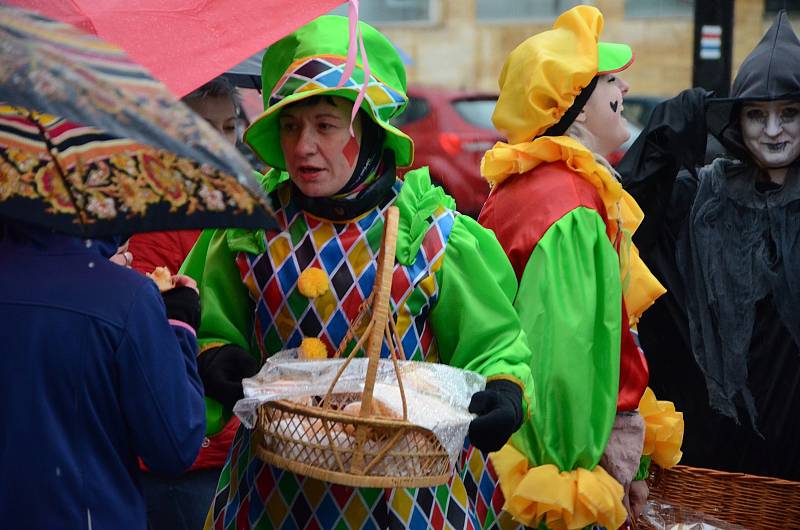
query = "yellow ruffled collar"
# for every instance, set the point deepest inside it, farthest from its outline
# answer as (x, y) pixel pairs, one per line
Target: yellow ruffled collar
(504, 160)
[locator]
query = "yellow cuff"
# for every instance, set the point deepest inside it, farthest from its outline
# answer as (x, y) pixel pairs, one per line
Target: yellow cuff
(565, 500)
(663, 435)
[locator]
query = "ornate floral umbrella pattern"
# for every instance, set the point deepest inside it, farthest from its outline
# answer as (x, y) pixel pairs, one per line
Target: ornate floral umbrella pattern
(91, 145)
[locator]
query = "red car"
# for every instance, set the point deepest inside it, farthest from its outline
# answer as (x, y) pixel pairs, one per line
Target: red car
(451, 132)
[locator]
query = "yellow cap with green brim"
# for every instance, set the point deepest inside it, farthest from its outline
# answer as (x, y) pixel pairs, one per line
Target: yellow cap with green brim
(544, 74)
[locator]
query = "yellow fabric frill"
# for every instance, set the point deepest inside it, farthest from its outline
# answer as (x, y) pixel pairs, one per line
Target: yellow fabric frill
(563, 500)
(312, 348)
(663, 430)
(313, 282)
(504, 160)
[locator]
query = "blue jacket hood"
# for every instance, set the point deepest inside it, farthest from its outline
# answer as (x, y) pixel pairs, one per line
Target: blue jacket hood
(17, 234)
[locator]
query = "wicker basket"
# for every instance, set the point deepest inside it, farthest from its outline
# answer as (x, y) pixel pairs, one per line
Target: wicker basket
(748, 500)
(318, 440)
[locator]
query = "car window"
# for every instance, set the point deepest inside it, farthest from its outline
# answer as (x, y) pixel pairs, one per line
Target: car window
(476, 112)
(634, 112)
(416, 109)
(637, 109)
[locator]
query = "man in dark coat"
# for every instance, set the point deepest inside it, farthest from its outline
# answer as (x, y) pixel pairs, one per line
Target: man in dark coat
(93, 374)
(723, 343)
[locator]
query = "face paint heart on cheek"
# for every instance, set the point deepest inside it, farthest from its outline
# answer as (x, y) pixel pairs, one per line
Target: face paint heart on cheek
(614, 105)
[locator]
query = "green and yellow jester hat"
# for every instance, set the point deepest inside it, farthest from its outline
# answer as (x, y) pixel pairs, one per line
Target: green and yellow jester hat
(547, 79)
(310, 62)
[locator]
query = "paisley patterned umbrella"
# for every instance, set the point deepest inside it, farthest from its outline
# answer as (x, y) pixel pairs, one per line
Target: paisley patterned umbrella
(91, 145)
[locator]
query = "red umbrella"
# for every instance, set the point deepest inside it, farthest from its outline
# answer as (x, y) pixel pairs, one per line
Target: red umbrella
(185, 43)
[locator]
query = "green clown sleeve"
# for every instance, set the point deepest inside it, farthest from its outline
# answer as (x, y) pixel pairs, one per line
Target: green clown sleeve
(569, 307)
(225, 307)
(473, 319)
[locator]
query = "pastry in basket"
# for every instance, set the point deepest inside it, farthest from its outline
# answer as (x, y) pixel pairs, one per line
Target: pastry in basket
(420, 379)
(379, 408)
(163, 278)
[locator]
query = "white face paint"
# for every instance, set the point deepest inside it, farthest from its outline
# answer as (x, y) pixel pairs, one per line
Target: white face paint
(602, 114)
(771, 132)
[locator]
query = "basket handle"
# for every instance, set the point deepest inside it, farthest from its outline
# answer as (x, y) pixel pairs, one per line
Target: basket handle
(380, 308)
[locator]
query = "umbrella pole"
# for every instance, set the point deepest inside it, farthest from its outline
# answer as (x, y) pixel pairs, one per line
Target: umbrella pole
(52, 150)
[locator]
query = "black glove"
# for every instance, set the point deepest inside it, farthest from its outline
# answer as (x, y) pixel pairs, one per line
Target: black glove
(183, 303)
(222, 369)
(679, 126)
(499, 410)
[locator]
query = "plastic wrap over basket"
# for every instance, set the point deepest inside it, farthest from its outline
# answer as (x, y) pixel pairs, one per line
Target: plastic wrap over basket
(437, 395)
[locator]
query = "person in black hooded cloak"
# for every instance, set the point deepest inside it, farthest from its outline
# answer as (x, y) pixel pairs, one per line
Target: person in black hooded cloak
(724, 238)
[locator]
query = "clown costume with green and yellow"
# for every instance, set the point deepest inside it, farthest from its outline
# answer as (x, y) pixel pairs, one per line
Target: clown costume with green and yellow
(566, 225)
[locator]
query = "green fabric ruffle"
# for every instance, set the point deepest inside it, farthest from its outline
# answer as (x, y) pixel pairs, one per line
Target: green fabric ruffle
(417, 201)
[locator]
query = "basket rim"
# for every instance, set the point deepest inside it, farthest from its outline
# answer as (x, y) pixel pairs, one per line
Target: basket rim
(684, 470)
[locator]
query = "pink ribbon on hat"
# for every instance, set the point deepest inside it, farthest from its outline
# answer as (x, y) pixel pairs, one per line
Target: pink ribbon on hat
(356, 41)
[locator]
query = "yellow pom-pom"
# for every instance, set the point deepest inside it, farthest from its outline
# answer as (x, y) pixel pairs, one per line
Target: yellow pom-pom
(313, 282)
(311, 349)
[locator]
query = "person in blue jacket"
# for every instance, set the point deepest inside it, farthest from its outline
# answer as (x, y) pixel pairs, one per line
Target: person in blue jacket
(96, 371)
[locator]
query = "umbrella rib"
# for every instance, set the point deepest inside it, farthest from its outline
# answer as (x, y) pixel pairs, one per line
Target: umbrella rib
(51, 150)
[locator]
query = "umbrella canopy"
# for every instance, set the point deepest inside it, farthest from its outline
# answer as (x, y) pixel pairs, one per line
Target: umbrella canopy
(247, 74)
(91, 145)
(185, 43)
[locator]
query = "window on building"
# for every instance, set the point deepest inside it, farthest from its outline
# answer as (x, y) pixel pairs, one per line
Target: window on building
(393, 11)
(523, 9)
(773, 6)
(659, 8)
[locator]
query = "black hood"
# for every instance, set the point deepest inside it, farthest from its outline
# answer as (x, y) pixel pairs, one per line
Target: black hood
(770, 72)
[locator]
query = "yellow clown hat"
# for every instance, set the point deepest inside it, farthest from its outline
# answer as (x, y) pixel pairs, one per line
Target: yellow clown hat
(544, 78)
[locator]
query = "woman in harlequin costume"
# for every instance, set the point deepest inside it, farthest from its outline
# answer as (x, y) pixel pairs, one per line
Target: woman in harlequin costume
(565, 223)
(266, 291)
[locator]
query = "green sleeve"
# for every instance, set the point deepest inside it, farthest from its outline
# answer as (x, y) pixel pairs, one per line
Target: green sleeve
(569, 307)
(473, 319)
(226, 311)
(225, 307)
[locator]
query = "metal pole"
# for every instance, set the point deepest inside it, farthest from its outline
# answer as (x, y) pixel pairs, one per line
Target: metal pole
(713, 45)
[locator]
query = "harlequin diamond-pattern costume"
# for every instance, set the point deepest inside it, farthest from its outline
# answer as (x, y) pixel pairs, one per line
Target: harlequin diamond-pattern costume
(347, 253)
(269, 497)
(451, 294)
